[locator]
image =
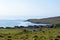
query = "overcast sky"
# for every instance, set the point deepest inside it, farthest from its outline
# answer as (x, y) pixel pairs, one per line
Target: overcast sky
(27, 9)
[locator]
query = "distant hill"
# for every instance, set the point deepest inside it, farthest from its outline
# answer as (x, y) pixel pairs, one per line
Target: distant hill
(52, 20)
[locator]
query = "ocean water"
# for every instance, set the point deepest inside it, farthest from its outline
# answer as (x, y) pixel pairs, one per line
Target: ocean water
(12, 23)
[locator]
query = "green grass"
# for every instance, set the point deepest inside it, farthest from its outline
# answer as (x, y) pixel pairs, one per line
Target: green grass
(18, 34)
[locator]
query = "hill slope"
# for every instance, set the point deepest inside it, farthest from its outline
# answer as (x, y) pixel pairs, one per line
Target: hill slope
(53, 20)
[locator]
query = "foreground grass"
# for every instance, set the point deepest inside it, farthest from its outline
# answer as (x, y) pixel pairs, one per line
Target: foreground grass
(19, 34)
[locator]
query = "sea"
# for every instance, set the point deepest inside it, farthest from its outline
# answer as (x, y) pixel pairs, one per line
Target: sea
(12, 23)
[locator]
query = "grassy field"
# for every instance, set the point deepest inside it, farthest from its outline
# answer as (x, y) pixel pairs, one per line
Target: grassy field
(19, 34)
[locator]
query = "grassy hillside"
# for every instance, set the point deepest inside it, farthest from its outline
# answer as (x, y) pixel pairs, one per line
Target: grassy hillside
(53, 20)
(19, 34)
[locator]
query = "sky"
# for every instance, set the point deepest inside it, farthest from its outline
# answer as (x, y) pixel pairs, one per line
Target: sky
(28, 9)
